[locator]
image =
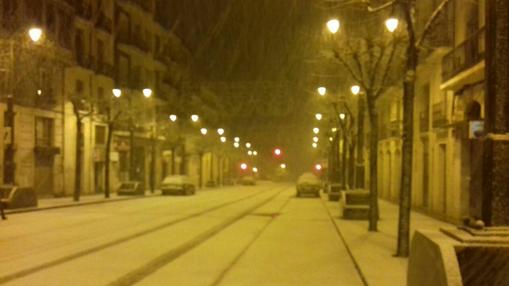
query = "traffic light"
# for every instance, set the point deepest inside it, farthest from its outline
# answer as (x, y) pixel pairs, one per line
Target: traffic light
(277, 152)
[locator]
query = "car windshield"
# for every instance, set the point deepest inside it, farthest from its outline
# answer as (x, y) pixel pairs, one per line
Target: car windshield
(175, 180)
(308, 178)
(127, 186)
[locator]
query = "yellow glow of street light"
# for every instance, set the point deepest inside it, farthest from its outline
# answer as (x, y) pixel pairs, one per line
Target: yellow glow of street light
(318, 116)
(220, 131)
(248, 145)
(243, 166)
(316, 130)
(204, 131)
(39, 92)
(318, 167)
(147, 92)
(117, 92)
(236, 139)
(330, 139)
(173, 117)
(282, 166)
(391, 24)
(223, 139)
(334, 129)
(277, 152)
(315, 145)
(195, 118)
(255, 153)
(355, 89)
(333, 25)
(35, 34)
(322, 90)
(255, 170)
(236, 144)
(250, 153)
(342, 116)
(315, 139)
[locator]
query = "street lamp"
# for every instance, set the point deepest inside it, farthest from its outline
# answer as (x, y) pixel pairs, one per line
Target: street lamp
(318, 116)
(315, 145)
(255, 153)
(223, 139)
(318, 167)
(173, 117)
(391, 24)
(243, 166)
(195, 118)
(255, 170)
(334, 129)
(355, 89)
(236, 144)
(35, 34)
(282, 166)
(333, 25)
(204, 131)
(342, 116)
(220, 131)
(147, 92)
(248, 145)
(331, 139)
(315, 139)
(117, 92)
(322, 91)
(250, 153)
(316, 130)
(236, 139)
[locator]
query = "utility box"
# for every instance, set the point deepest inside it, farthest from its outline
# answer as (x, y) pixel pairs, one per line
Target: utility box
(14, 197)
(460, 256)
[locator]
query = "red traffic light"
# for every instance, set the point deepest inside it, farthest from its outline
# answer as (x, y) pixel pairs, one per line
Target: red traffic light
(277, 152)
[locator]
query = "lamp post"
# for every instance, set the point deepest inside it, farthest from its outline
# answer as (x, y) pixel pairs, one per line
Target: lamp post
(359, 166)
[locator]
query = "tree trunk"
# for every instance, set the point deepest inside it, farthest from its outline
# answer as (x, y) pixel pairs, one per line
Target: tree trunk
(153, 161)
(373, 162)
(77, 169)
(351, 165)
(407, 149)
(132, 170)
(107, 161)
(344, 162)
(173, 149)
(359, 168)
(200, 181)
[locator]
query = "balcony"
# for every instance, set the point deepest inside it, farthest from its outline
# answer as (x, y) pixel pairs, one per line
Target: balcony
(83, 60)
(424, 121)
(464, 56)
(104, 23)
(395, 128)
(105, 69)
(83, 10)
(439, 113)
(135, 40)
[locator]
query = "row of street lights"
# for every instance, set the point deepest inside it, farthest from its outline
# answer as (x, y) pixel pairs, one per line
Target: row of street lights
(391, 24)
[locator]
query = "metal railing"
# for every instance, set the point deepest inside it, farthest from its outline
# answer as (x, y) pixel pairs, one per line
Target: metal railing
(464, 56)
(439, 112)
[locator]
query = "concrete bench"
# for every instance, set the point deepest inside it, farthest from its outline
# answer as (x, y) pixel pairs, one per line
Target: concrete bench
(355, 204)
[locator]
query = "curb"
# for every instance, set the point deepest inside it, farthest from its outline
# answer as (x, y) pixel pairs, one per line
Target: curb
(75, 204)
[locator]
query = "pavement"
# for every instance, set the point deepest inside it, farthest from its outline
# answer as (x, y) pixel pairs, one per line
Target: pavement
(342, 253)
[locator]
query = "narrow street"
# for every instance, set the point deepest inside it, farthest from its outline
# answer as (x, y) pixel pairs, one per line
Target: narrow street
(256, 235)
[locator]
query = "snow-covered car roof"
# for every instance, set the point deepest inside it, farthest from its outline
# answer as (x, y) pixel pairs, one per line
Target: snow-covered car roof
(177, 180)
(308, 178)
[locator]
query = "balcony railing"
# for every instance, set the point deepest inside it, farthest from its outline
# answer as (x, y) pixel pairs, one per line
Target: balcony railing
(104, 23)
(439, 114)
(105, 69)
(464, 56)
(83, 9)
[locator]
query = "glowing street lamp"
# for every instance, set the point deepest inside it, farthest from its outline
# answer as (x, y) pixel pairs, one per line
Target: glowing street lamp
(204, 131)
(318, 116)
(147, 92)
(117, 92)
(316, 130)
(250, 153)
(334, 129)
(342, 116)
(35, 34)
(315, 139)
(333, 25)
(223, 139)
(277, 152)
(391, 24)
(255, 153)
(355, 89)
(255, 170)
(315, 145)
(322, 90)
(236, 144)
(243, 166)
(282, 166)
(331, 139)
(173, 117)
(248, 145)
(220, 131)
(236, 139)
(318, 167)
(195, 118)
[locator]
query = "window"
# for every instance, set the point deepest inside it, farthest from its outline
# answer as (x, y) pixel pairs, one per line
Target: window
(100, 135)
(43, 131)
(79, 87)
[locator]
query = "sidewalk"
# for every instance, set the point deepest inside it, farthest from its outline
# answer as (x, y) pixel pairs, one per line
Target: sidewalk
(374, 251)
(63, 202)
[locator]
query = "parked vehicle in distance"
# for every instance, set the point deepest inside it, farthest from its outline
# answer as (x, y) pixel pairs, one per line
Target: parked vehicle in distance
(228, 182)
(247, 181)
(308, 183)
(178, 185)
(131, 188)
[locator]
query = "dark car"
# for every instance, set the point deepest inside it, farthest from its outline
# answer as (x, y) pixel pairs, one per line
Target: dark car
(131, 188)
(177, 185)
(308, 184)
(247, 181)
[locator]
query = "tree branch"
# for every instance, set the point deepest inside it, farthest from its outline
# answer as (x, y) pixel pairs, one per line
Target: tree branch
(383, 83)
(381, 7)
(431, 21)
(348, 68)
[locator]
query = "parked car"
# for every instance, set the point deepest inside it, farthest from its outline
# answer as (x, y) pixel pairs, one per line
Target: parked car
(13, 197)
(178, 185)
(247, 181)
(131, 188)
(308, 183)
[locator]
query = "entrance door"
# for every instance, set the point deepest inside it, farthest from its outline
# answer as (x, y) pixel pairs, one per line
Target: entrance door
(99, 177)
(43, 177)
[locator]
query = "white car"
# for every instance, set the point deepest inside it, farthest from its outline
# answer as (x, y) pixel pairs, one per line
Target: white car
(177, 185)
(308, 183)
